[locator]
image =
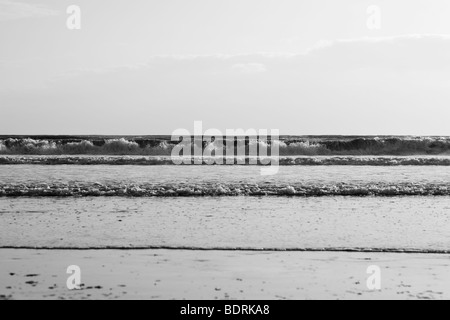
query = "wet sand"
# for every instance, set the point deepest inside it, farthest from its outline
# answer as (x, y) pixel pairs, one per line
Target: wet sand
(414, 223)
(178, 274)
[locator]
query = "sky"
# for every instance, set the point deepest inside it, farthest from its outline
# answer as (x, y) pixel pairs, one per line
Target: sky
(305, 67)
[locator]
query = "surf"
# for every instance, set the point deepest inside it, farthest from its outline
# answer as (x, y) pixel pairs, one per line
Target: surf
(287, 145)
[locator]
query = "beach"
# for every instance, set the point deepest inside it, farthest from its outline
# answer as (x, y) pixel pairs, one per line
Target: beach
(225, 275)
(224, 150)
(224, 232)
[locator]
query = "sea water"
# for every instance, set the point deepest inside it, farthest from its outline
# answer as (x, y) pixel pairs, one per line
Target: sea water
(386, 208)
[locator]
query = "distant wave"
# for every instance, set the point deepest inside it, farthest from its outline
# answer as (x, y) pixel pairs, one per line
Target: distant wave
(221, 190)
(289, 146)
(121, 146)
(283, 160)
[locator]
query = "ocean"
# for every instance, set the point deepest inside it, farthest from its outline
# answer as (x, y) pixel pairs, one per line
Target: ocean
(137, 226)
(387, 203)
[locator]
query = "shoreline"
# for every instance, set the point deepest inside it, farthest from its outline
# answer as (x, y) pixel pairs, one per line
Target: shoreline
(237, 249)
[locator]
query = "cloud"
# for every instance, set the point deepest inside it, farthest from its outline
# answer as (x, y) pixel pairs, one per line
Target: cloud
(13, 10)
(342, 66)
(249, 68)
(392, 85)
(400, 54)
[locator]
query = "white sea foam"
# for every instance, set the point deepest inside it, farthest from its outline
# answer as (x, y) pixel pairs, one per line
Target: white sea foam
(308, 146)
(167, 160)
(86, 189)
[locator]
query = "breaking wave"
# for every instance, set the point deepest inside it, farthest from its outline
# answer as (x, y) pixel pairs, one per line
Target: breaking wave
(221, 190)
(288, 146)
(89, 147)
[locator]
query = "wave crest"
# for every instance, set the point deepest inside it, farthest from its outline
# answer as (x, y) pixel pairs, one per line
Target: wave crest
(166, 160)
(221, 190)
(288, 146)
